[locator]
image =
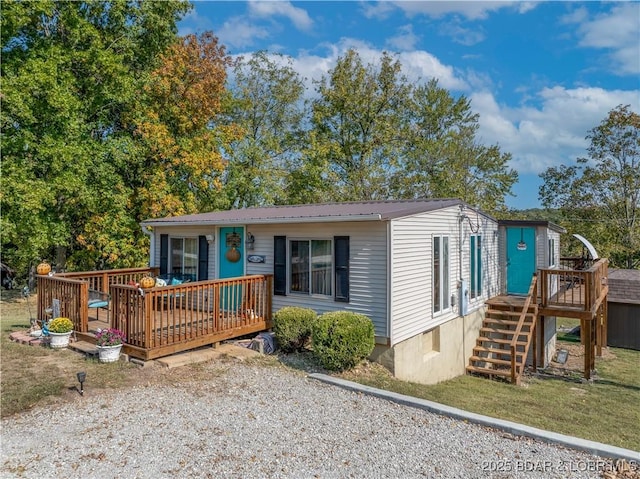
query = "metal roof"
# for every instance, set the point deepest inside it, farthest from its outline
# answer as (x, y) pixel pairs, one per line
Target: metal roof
(525, 223)
(320, 212)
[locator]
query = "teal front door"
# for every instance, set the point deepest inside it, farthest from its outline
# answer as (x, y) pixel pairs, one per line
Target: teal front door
(231, 265)
(521, 259)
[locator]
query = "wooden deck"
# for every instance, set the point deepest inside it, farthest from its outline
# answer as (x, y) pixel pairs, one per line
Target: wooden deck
(164, 320)
(508, 330)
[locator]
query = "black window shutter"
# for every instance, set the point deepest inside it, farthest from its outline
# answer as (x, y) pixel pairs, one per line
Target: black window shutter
(341, 252)
(164, 254)
(280, 265)
(203, 258)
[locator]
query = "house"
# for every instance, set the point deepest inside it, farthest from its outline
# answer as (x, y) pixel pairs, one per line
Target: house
(420, 269)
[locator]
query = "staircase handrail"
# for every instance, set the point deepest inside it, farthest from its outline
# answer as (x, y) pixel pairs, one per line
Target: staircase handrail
(533, 293)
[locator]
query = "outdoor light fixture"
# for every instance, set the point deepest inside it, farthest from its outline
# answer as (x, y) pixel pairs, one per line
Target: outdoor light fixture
(250, 241)
(522, 246)
(82, 376)
(210, 239)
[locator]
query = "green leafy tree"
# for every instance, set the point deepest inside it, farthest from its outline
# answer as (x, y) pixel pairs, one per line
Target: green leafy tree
(267, 105)
(355, 136)
(71, 73)
(443, 157)
(599, 196)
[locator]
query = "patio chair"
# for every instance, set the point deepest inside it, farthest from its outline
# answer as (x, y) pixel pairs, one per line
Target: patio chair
(99, 300)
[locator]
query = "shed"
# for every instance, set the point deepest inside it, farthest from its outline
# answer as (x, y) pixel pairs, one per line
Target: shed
(623, 301)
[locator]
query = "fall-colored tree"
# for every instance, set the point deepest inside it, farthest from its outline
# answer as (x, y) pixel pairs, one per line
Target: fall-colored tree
(71, 73)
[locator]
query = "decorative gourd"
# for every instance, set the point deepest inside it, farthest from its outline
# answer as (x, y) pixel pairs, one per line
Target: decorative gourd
(43, 268)
(233, 255)
(147, 282)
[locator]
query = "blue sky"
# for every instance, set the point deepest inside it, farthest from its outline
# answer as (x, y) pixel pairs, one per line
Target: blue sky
(539, 74)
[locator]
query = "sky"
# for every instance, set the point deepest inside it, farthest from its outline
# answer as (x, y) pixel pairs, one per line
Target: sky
(540, 75)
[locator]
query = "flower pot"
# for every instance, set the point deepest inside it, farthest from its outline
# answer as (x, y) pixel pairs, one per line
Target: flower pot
(109, 354)
(59, 340)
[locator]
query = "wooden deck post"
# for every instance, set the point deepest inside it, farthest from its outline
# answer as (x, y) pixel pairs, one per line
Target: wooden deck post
(588, 348)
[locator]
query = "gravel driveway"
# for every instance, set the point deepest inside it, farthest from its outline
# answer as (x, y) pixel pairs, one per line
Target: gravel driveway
(253, 421)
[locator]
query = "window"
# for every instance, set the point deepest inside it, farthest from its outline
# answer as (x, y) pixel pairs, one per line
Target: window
(310, 266)
(184, 256)
(475, 256)
(440, 274)
(313, 266)
(552, 252)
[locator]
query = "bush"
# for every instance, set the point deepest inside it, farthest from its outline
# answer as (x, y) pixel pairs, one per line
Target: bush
(342, 339)
(292, 327)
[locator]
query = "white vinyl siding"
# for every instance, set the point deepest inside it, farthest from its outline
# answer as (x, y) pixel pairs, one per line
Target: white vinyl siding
(367, 266)
(412, 269)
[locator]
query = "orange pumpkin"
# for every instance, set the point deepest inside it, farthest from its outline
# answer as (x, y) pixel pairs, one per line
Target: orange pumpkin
(43, 268)
(147, 282)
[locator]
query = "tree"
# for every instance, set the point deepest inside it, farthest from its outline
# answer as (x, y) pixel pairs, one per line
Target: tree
(355, 135)
(183, 99)
(600, 195)
(267, 105)
(442, 157)
(71, 73)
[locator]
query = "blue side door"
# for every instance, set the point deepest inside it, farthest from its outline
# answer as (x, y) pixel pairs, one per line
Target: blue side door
(521, 259)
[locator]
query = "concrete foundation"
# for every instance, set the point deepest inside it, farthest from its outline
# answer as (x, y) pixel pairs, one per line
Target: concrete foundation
(436, 355)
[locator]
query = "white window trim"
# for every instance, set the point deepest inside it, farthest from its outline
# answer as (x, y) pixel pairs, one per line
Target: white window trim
(478, 297)
(444, 297)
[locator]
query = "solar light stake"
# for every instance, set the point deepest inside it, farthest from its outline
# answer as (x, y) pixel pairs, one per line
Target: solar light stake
(82, 376)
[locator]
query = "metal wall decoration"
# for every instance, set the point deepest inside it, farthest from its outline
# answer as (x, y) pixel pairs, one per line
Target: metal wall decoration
(256, 258)
(233, 240)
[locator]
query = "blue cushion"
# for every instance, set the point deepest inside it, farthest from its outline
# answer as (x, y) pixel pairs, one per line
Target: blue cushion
(98, 304)
(175, 281)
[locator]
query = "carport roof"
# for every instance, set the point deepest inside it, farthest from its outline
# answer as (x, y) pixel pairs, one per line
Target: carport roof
(318, 213)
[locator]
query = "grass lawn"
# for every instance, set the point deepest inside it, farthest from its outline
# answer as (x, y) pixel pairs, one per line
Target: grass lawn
(603, 410)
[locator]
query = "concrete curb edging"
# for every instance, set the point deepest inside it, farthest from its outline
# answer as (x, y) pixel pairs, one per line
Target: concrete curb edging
(590, 447)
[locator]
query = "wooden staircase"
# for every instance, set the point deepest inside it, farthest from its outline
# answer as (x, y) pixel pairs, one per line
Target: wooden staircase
(505, 338)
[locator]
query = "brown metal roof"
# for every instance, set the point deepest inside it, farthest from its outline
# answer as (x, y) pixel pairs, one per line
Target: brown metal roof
(320, 212)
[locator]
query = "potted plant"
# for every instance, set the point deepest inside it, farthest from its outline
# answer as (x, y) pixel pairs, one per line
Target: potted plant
(109, 343)
(60, 330)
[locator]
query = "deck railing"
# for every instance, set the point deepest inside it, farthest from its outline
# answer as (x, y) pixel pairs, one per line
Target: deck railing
(102, 280)
(581, 290)
(73, 298)
(528, 302)
(167, 319)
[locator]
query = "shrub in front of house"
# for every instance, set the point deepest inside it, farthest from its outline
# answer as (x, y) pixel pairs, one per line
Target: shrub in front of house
(341, 339)
(292, 327)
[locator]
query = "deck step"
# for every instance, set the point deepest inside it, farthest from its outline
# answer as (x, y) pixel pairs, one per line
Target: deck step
(501, 362)
(516, 314)
(487, 349)
(502, 321)
(489, 372)
(509, 332)
(84, 347)
(483, 339)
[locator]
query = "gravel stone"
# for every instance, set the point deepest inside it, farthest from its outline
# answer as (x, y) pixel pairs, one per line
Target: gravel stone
(254, 421)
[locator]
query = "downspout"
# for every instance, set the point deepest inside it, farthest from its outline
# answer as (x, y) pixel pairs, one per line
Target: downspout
(152, 244)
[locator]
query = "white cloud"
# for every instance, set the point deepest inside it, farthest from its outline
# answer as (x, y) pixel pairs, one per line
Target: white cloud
(299, 17)
(197, 23)
(422, 66)
(460, 34)
(405, 39)
(471, 10)
(238, 32)
(552, 134)
(616, 31)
